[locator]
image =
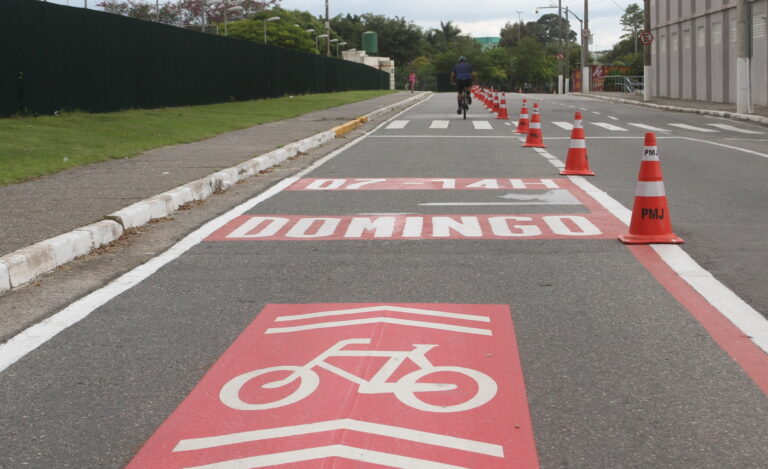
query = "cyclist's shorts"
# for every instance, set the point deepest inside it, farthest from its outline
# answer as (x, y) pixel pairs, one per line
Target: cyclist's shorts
(461, 84)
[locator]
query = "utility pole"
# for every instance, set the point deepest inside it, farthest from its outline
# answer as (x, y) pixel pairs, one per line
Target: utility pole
(327, 30)
(743, 59)
(519, 25)
(560, 83)
(585, 75)
(647, 91)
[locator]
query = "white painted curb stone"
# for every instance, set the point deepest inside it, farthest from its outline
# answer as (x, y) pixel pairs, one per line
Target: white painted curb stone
(20, 267)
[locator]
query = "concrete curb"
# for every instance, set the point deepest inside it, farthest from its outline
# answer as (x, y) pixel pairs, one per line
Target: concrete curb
(707, 112)
(20, 267)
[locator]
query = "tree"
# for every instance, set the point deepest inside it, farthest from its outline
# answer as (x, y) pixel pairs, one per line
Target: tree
(532, 65)
(289, 32)
(633, 20)
(510, 34)
(185, 12)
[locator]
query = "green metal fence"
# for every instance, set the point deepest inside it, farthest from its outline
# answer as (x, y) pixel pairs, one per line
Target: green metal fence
(54, 57)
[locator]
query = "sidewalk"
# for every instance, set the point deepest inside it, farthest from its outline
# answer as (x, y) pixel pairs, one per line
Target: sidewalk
(759, 114)
(46, 207)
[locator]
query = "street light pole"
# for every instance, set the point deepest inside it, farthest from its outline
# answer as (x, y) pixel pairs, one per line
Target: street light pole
(585, 74)
(646, 52)
(316, 43)
(338, 44)
(327, 29)
(519, 24)
(274, 18)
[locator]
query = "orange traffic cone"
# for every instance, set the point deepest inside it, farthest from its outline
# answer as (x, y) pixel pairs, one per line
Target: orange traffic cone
(650, 222)
(522, 124)
(535, 138)
(503, 108)
(577, 162)
(495, 107)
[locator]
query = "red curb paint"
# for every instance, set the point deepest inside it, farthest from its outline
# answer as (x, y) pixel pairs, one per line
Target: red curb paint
(459, 399)
(748, 355)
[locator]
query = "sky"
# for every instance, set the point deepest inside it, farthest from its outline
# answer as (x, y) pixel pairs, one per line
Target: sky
(479, 18)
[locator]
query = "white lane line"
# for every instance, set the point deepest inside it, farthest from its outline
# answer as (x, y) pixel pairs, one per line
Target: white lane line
(384, 307)
(740, 313)
(482, 125)
(595, 112)
(380, 320)
(747, 139)
(612, 118)
(397, 124)
(402, 433)
(443, 136)
(733, 128)
(692, 127)
(611, 127)
(439, 124)
(352, 453)
(33, 337)
(584, 109)
(731, 147)
(649, 127)
(564, 125)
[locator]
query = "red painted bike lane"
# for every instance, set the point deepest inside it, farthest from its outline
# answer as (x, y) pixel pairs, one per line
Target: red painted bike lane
(337, 385)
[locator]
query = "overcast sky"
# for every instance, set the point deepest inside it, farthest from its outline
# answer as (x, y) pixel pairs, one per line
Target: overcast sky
(477, 17)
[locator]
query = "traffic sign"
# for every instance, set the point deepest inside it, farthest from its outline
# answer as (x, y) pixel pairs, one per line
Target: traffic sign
(560, 56)
(585, 33)
(646, 38)
(396, 385)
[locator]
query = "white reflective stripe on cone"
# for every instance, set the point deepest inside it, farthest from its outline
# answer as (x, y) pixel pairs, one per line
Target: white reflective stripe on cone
(535, 125)
(578, 143)
(650, 189)
(524, 116)
(577, 125)
(650, 154)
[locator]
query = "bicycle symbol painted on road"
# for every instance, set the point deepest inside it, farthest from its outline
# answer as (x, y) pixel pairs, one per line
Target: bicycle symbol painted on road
(404, 389)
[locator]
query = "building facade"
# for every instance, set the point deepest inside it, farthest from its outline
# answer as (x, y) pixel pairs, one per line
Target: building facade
(696, 45)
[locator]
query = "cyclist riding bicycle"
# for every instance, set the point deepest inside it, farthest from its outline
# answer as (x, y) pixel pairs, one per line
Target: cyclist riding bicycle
(463, 76)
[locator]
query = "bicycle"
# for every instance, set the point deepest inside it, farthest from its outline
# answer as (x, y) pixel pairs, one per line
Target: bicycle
(465, 102)
(404, 389)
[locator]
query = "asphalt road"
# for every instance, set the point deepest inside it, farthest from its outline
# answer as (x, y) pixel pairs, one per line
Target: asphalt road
(603, 362)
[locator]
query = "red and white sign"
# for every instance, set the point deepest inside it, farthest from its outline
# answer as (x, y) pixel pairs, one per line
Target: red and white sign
(357, 385)
(646, 38)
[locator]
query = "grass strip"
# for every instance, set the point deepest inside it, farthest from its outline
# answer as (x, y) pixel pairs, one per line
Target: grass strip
(35, 146)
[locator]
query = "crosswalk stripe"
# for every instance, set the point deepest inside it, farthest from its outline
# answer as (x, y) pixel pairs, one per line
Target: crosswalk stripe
(482, 125)
(613, 118)
(608, 126)
(564, 125)
(649, 127)
(736, 129)
(439, 125)
(397, 124)
(694, 128)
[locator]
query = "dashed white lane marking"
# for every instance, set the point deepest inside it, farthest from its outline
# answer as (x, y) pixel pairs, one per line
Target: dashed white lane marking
(595, 112)
(612, 118)
(439, 124)
(649, 127)
(564, 125)
(584, 109)
(611, 127)
(694, 128)
(397, 124)
(736, 129)
(482, 125)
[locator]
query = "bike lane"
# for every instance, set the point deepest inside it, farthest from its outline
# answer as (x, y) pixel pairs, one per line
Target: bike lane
(617, 373)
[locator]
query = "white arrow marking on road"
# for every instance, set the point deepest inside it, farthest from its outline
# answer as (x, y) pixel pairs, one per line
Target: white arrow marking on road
(439, 125)
(397, 124)
(377, 320)
(608, 126)
(401, 433)
(338, 451)
(551, 197)
(564, 125)
(482, 125)
(399, 309)
(736, 129)
(649, 127)
(691, 127)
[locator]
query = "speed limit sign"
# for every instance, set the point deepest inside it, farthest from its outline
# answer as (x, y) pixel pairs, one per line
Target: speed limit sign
(646, 38)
